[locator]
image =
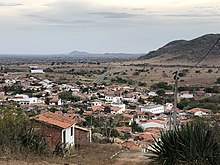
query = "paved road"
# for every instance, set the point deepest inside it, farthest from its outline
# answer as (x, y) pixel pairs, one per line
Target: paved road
(101, 78)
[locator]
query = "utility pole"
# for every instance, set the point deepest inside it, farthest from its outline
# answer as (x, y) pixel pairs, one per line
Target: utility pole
(175, 98)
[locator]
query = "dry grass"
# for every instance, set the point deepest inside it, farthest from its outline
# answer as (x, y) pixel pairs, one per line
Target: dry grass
(155, 74)
(92, 154)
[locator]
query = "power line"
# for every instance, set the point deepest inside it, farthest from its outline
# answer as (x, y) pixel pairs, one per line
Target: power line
(176, 82)
(205, 54)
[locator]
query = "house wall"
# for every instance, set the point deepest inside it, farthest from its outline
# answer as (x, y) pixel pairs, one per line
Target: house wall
(51, 133)
(69, 138)
(82, 136)
(96, 104)
(151, 125)
(155, 110)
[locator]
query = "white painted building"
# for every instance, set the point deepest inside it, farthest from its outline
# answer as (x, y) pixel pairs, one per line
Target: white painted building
(68, 135)
(37, 71)
(169, 106)
(113, 99)
(152, 94)
(151, 125)
(130, 99)
(109, 98)
(25, 100)
(117, 108)
(156, 109)
(186, 95)
(62, 129)
(96, 103)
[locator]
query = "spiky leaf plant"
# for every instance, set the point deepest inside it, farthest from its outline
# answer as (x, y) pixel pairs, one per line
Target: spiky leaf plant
(192, 144)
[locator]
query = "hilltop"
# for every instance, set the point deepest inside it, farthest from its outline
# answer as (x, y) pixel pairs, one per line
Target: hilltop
(187, 51)
(83, 54)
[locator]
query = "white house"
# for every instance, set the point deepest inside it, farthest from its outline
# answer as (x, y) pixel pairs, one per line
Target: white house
(61, 129)
(168, 106)
(117, 108)
(54, 100)
(26, 100)
(113, 99)
(37, 71)
(46, 83)
(130, 99)
(156, 109)
(153, 124)
(96, 103)
(108, 98)
(186, 95)
(152, 94)
(200, 113)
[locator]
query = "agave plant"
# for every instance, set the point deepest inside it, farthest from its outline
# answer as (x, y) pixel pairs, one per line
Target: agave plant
(191, 144)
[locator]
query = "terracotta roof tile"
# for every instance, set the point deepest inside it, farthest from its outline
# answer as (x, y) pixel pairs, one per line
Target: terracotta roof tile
(96, 107)
(115, 108)
(55, 119)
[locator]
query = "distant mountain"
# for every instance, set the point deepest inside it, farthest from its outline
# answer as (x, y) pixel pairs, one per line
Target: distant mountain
(187, 51)
(79, 54)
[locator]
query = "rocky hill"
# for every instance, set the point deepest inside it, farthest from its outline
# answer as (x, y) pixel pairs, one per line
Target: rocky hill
(187, 51)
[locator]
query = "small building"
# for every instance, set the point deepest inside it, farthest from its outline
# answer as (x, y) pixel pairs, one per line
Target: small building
(96, 102)
(155, 109)
(37, 71)
(58, 128)
(26, 100)
(153, 124)
(117, 108)
(54, 100)
(186, 95)
(152, 94)
(169, 106)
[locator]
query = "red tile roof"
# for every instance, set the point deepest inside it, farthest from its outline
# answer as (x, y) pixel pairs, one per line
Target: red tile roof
(115, 108)
(199, 109)
(55, 119)
(147, 136)
(96, 107)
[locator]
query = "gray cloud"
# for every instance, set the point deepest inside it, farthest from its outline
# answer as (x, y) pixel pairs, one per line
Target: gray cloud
(115, 14)
(193, 15)
(10, 4)
(138, 8)
(59, 21)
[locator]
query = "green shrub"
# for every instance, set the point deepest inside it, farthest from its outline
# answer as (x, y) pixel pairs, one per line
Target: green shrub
(191, 144)
(17, 134)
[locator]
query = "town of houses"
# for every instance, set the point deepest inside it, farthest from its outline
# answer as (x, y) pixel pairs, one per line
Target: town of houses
(67, 113)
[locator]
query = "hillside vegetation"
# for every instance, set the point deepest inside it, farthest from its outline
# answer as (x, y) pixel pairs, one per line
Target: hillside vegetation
(187, 51)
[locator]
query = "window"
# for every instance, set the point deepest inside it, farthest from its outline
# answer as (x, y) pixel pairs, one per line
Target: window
(64, 137)
(71, 131)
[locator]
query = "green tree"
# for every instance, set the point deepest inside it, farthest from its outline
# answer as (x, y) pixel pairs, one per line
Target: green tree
(135, 127)
(218, 81)
(160, 92)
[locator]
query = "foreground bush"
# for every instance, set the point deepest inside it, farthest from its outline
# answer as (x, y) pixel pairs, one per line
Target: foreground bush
(17, 134)
(192, 144)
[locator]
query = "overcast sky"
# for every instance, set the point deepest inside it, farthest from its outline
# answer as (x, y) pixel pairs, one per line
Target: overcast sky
(98, 26)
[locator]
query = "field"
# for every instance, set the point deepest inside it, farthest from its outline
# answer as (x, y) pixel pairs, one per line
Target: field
(138, 73)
